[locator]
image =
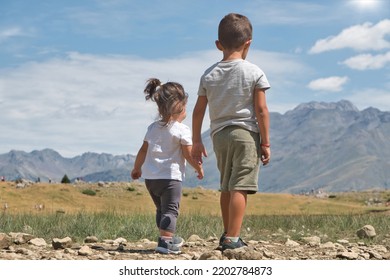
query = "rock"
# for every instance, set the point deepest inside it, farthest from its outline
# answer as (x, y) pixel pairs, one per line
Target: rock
(312, 240)
(243, 253)
(20, 238)
(348, 255)
(212, 255)
(39, 242)
(119, 240)
(328, 245)
(5, 241)
(91, 239)
(194, 238)
(24, 251)
(85, 251)
(291, 243)
(368, 231)
(61, 243)
(200, 250)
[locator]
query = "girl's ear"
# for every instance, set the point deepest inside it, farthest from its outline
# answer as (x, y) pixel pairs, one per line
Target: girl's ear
(219, 45)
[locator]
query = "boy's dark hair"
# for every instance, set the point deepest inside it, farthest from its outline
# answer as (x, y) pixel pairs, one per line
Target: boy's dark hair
(234, 30)
(170, 97)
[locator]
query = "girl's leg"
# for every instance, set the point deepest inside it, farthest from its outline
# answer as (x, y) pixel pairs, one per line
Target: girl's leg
(154, 189)
(170, 204)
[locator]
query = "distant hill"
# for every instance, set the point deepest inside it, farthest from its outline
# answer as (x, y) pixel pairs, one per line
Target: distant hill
(328, 146)
(48, 164)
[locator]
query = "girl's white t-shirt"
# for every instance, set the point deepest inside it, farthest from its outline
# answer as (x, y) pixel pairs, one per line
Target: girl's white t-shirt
(164, 158)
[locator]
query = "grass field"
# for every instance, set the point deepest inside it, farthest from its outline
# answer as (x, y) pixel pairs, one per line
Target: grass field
(133, 197)
(126, 210)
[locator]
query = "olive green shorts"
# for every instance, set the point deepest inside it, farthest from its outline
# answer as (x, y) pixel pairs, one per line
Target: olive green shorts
(237, 152)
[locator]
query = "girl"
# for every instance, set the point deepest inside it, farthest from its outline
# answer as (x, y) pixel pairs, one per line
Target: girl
(162, 158)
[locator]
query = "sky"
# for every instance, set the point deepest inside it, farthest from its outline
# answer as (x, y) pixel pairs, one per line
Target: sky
(72, 73)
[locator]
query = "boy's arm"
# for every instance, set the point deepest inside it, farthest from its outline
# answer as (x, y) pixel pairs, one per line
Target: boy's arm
(187, 155)
(262, 115)
(139, 161)
(198, 150)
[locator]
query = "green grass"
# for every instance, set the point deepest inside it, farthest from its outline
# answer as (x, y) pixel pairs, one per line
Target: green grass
(136, 226)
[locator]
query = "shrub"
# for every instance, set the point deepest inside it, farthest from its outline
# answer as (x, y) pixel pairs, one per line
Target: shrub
(89, 192)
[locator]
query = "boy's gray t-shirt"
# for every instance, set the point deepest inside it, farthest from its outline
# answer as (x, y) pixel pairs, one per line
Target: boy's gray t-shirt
(229, 88)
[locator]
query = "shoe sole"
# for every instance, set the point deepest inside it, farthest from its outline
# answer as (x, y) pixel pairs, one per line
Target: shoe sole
(163, 250)
(179, 244)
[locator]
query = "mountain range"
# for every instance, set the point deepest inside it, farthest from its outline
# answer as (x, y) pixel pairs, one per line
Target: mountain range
(48, 165)
(332, 147)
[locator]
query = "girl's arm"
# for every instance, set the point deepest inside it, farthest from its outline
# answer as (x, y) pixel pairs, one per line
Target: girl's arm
(139, 161)
(187, 155)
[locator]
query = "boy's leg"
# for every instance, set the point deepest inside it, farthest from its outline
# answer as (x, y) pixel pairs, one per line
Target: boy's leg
(237, 206)
(224, 204)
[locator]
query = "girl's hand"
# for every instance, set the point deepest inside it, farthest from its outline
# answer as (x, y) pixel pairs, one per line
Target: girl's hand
(136, 174)
(200, 172)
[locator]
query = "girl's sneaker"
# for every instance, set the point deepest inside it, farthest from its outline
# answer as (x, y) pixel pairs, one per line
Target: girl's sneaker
(169, 246)
(177, 240)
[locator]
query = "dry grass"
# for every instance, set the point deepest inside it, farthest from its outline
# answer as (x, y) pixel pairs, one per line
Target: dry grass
(134, 198)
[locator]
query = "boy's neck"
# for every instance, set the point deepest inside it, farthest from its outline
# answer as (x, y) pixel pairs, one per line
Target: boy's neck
(232, 55)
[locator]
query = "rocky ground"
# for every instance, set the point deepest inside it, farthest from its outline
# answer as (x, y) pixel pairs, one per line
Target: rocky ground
(23, 246)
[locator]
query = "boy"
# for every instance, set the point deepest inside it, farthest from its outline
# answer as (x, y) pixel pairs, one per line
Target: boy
(234, 89)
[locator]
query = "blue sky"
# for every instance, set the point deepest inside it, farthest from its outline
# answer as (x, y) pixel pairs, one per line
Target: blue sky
(72, 73)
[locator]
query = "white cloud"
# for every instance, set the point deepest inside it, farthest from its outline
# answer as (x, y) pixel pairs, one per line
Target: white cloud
(332, 84)
(371, 97)
(289, 12)
(8, 33)
(84, 102)
(358, 37)
(367, 61)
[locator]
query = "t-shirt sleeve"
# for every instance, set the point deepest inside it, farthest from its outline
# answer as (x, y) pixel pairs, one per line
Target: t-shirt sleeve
(201, 89)
(147, 134)
(262, 81)
(186, 136)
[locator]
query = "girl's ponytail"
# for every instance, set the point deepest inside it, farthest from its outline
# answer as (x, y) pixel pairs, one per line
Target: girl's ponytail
(151, 88)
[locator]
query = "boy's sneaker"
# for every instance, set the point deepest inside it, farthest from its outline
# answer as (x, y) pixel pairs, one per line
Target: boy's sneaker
(221, 240)
(169, 246)
(228, 244)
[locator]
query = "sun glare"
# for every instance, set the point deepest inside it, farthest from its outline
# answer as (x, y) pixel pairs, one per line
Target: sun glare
(366, 4)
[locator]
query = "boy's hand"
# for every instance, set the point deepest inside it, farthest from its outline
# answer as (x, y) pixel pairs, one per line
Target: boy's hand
(265, 155)
(198, 150)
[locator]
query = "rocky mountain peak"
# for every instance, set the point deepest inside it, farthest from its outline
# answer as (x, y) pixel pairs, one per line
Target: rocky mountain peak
(343, 105)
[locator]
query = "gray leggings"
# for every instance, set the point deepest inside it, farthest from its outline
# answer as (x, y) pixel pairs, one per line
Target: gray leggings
(166, 195)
